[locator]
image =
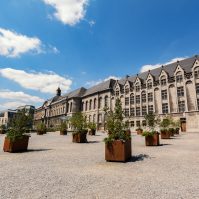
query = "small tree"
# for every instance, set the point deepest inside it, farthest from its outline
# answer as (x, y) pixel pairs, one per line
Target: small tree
(78, 122)
(63, 126)
(18, 126)
(115, 126)
(92, 125)
(165, 123)
(41, 127)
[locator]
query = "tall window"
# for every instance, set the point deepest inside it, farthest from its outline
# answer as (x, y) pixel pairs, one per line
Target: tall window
(137, 99)
(149, 84)
(100, 117)
(94, 104)
(126, 90)
(143, 96)
(163, 81)
(90, 105)
(138, 123)
(94, 118)
(198, 103)
(132, 112)
(180, 91)
(126, 101)
(150, 97)
(71, 107)
(126, 112)
(181, 106)
(137, 111)
(132, 100)
(117, 93)
(150, 109)
(137, 87)
(100, 103)
(144, 111)
(196, 72)
(132, 123)
(179, 77)
(89, 119)
(197, 89)
(164, 94)
(106, 101)
(86, 108)
(165, 108)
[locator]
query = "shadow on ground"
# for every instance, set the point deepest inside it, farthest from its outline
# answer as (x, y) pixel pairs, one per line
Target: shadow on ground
(139, 157)
(37, 150)
(93, 142)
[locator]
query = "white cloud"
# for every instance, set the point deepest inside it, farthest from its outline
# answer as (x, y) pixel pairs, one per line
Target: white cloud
(68, 11)
(92, 23)
(150, 67)
(43, 82)
(13, 44)
(93, 83)
(16, 99)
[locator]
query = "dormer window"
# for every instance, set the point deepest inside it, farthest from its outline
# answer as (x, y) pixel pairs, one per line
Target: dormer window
(117, 93)
(196, 72)
(149, 84)
(126, 90)
(137, 87)
(163, 81)
(179, 77)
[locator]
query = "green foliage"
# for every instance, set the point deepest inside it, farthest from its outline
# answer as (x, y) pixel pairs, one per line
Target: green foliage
(78, 122)
(18, 126)
(148, 133)
(165, 123)
(3, 127)
(41, 127)
(63, 126)
(152, 121)
(92, 125)
(115, 125)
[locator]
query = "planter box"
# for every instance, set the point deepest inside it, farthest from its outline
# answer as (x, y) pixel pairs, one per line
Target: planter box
(152, 140)
(92, 132)
(139, 131)
(79, 137)
(165, 135)
(177, 131)
(40, 132)
(18, 145)
(118, 151)
(63, 132)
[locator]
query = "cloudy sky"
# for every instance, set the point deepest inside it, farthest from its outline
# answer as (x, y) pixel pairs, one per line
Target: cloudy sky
(71, 43)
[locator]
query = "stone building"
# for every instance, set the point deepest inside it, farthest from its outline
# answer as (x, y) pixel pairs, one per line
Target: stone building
(168, 90)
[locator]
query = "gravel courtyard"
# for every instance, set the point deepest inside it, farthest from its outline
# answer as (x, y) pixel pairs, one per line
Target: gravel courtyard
(56, 168)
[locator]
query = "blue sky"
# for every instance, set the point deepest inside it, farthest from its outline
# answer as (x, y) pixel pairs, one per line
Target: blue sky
(47, 43)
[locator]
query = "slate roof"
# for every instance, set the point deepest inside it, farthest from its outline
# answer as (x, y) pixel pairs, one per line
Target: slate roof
(100, 87)
(76, 93)
(186, 64)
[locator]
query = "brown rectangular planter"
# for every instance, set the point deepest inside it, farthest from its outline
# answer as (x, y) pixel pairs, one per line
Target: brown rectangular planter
(63, 132)
(18, 145)
(40, 132)
(118, 151)
(165, 135)
(79, 137)
(152, 140)
(92, 132)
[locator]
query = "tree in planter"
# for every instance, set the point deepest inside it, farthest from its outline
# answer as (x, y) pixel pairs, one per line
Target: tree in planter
(118, 142)
(16, 138)
(175, 124)
(41, 128)
(79, 124)
(165, 124)
(92, 128)
(2, 129)
(63, 128)
(151, 135)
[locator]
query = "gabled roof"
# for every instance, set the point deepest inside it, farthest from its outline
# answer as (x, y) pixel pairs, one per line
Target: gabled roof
(100, 87)
(76, 93)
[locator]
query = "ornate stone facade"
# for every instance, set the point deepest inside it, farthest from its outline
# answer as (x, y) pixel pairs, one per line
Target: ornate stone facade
(169, 90)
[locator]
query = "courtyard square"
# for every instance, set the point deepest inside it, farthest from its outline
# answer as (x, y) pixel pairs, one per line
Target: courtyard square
(56, 168)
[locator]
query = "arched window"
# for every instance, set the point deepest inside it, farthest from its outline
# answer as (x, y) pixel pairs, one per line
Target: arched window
(196, 72)
(86, 108)
(132, 99)
(117, 92)
(90, 105)
(100, 103)
(163, 80)
(106, 101)
(89, 119)
(179, 77)
(94, 104)
(143, 96)
(71, 106)
(149, 84)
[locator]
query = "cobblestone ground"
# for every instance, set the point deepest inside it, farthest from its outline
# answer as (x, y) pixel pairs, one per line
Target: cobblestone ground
(56, 168)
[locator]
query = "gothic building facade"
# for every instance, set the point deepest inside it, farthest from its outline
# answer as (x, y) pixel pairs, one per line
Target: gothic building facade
(168, 90)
